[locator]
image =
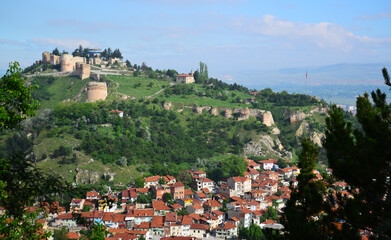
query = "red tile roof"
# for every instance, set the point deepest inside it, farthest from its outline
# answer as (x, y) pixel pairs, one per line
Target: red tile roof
(199, 226)
(177, 184)
(157, 222)
(227, 225)
(240, 179)
(212, 203)
(92, 194)
(187, 220)
(184, 75)
(152, 179)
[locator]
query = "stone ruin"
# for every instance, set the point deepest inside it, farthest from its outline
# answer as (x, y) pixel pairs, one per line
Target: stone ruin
(76, 65)
(96, 91)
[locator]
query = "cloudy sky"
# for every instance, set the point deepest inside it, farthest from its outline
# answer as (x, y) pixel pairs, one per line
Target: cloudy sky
(246, 41)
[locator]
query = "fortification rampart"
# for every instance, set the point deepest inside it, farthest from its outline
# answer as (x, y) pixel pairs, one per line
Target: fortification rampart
(96, 91)
(77, 65)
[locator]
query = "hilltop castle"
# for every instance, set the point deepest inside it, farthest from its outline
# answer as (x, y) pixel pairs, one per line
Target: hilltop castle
(76, 65)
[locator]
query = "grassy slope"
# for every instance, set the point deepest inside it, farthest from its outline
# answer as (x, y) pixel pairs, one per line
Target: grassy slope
(65, 88)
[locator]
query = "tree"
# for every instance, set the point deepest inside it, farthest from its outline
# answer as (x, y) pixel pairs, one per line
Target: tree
(167, 197)
(362, 158)
(60, 234)
(16, 103)
(128, 64)
(254, 232)
(96, 232)
(203, 73)
(302, 217)
(56, 52)
(20, 181)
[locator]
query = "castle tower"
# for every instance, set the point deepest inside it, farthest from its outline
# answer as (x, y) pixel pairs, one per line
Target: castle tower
(67, 63)
(46, 57)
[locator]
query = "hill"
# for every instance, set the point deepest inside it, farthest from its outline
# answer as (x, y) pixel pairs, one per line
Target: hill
(166, 127)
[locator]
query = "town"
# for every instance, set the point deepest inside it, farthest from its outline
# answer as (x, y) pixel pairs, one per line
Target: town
(167, 209)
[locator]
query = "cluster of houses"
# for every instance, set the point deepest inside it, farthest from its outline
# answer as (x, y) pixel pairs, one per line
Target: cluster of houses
(203, 208)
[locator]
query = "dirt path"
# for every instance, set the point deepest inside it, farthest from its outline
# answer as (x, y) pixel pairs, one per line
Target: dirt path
(161, 90)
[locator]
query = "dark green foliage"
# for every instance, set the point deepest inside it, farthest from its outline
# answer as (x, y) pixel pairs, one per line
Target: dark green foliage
(302, 216)
(86, 208)
(41, 93)
(16, 101)
(183, 212)
(62, 151)
(171, 73)
(361, 157)
(144, 198)
(60, 234)
(139, 182)
(56, 52)
(231, 167)
(284, 99)
(167, 197)
(254, 232)
(41, 66)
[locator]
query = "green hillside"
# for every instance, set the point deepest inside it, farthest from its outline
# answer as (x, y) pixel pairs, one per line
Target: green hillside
(86, 144)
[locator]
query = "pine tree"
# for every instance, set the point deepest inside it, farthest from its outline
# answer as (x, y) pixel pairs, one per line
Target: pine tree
(302, 216)
(362, 158)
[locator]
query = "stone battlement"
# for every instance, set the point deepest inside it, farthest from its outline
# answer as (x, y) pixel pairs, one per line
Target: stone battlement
(76, 65)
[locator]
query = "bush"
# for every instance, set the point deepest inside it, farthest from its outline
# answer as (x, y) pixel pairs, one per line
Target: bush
(62, 151)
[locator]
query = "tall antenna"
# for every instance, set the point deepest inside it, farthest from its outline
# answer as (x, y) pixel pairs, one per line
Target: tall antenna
(306, 76)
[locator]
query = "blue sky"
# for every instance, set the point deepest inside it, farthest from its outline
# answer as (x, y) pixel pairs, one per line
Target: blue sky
(242, 41)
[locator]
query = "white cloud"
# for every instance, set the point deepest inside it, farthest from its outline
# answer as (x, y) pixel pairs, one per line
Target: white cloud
(65, 43)
(10, 42)
(323, 34)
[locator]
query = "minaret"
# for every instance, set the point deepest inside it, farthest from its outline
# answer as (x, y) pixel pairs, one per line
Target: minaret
(191, 72)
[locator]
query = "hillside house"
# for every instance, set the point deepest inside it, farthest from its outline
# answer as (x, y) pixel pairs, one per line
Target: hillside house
(268, 164)
(185, 78)
(240, 184)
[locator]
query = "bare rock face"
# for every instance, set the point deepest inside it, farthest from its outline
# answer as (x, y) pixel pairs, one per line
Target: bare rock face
(228, 113)
(85, 176)
(108, 176)
(297, 116)
(320, 110)
(198, 110)
(265, 145)
(213, 111)
(244, 114)
(167, 105)
(303, 129)
(316, 138)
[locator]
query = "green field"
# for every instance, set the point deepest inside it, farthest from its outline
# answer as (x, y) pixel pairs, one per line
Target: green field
(139, 87)
(65, 89)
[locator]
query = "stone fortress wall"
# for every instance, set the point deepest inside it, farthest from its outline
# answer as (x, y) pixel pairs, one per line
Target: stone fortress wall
(96, 91)
(77, 65)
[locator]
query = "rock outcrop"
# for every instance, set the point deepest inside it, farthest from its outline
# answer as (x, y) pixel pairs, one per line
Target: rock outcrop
(297, 116)
(167, 105)
(86, 177)
(244, 113)
(264, 145)
(213, 111)
(228, 113)
(197, 110)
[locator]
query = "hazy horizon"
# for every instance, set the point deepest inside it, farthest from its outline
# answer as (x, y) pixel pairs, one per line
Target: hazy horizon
(250, 42)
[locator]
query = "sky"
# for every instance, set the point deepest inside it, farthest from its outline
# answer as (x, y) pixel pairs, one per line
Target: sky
(251, 42)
